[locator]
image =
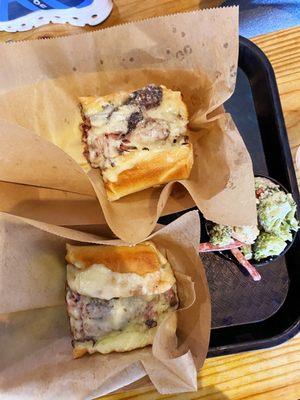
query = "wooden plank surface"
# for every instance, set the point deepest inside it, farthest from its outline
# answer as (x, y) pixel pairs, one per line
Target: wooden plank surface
(283, 50)
(270, 374)
(260, 375)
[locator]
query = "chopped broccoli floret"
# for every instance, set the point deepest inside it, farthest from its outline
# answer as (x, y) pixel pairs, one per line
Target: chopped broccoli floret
(290, 218)
(265, 188)
(247, 251)
(265, 183)
(284, 231)
(272, 211)
(220, 235)
(266, 245)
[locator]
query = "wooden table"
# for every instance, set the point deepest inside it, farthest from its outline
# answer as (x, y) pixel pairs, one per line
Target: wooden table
(260, 375)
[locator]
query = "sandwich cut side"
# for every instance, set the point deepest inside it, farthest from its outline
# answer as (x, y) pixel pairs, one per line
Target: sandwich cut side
(137, 139)
(117, 296)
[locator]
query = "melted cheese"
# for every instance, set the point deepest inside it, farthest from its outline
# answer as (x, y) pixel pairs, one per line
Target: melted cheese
(92, 105)
(134, 336)
(96, 318)
(170, 108)
(99, 281)
(117, 122)
(170, 115)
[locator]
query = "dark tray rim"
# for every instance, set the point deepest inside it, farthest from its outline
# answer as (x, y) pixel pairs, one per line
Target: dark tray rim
(292, 325)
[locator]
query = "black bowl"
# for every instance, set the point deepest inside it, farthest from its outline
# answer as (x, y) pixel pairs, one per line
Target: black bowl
(228, 255)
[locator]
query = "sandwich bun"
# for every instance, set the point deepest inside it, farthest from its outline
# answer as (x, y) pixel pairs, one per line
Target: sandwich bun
(105, 272)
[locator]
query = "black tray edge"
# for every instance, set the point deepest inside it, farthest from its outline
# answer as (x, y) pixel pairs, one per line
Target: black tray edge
(274, 97)
(255, 345)
(294, 326)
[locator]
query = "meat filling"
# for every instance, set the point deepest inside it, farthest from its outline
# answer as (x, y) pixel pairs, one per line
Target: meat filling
(92, 318)
(120, 129)
(148, 97)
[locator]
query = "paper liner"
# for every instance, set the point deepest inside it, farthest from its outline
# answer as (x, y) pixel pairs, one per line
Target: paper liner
(28, 159)
(36, 355)
(190, 52)
(49, 205)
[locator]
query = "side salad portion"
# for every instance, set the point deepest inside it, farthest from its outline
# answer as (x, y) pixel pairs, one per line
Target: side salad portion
(276, 213)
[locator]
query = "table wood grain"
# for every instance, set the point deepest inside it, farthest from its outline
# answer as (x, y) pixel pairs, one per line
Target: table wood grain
(259, 375)
(283, 50)
(123, 11)
(270, 374)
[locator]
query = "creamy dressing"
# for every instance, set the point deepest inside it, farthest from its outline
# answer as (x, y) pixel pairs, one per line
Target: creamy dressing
(246, 234)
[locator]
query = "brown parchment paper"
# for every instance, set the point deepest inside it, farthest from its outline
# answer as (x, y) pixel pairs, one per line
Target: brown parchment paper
(20, 170)
(190, 52)
(65, 208)
(49, 205)
(36, 356)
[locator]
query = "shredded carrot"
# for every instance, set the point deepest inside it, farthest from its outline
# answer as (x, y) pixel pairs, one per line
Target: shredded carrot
(206, 247)
(245, 263)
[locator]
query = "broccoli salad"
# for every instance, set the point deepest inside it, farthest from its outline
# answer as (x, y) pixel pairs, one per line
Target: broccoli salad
(276, 212)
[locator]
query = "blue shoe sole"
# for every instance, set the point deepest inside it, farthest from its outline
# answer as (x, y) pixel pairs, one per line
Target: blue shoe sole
(21, 15)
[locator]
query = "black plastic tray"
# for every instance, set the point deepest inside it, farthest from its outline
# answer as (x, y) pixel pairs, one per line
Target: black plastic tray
(247, 315)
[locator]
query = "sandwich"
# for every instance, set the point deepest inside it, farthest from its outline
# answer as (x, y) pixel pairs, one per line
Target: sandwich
(137, 139)
(117, 296)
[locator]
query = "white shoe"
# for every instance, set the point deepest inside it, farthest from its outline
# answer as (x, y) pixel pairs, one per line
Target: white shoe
(22, 15)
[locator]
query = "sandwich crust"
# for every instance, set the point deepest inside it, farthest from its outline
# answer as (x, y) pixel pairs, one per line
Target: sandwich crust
(154, 168)
(105, 272)
(79, 351)
(140, 259)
